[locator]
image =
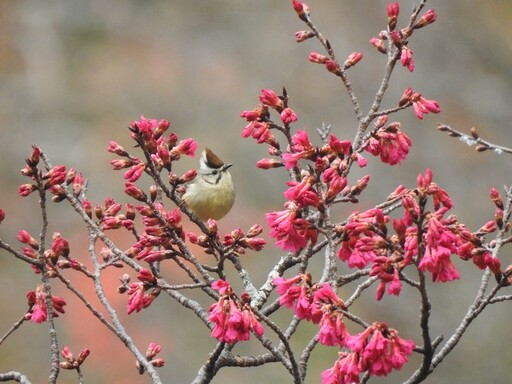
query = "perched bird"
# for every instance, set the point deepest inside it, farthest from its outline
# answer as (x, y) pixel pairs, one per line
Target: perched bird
(212, 193)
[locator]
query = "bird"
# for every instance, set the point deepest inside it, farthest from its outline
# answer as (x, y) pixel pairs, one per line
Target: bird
(211, 194)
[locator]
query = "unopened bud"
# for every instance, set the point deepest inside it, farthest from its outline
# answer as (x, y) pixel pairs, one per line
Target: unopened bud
(301, 36)
(332, 66)
(318, 58)
(269, 163)
(255, 230)
(360, 185)
(496, 198)
(352, 59)
(188, 176)
(428, 18)
(302, 10)
(153, 192)
(393, 11)
(379, 44)
(135, 192)
(33, 160)
(211, 224)
(113, 147)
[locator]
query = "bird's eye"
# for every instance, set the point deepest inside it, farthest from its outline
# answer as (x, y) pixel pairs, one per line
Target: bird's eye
(214, 172)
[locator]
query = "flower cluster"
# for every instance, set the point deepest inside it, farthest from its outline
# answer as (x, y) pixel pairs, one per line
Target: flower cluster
(377, 350)
(424, 238)
(162, 230)
(55, 180)
(316, 187)
(161, 150)
(388, 142)
(420, 105)
(38, 312)
(233, 319)
(142, 293)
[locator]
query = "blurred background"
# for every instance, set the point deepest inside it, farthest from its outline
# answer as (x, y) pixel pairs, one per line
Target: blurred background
(74, 74)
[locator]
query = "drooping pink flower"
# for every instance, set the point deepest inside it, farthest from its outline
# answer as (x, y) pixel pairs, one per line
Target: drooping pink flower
(232, 323)
(362, 243)
(380, 349)
(302, 193)
(291, 231)
(346, 370)
(307, 301)
(440, 245)
(38, 312)
(406, 58)
(138, 299)
(301, 148)
(388, 274)
(390, 143)
(332, 329)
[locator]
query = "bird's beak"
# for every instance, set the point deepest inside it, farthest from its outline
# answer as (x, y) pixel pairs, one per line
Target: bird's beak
(226, 167)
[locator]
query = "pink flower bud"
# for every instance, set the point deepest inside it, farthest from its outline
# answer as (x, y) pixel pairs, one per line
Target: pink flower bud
(301, 36)
(83, 355)
(255, 230)
(332, 66)
(269, 163)
(428, 18)
(406, 58)
(113, 147)
(406, 97)
(192, 237)
(393, 11)
(211, 224)
(352, 59)
(288, 116)
(161, 127)
(33, 160)
(381, 121)
(302, 10)
(135, 192)
(396, 38)
(2, 215)
(270, 98)
(318, 58)
(185, 147)
(188, 176)
(25, 238)
(379, 44)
